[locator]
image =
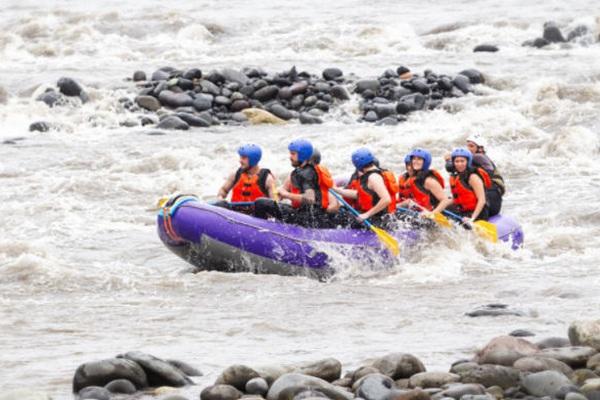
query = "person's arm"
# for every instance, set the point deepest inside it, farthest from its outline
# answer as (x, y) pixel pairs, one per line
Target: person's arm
(271, 187)
(438, 192)
(348, 193)
(376, 184)
(334, 204)
(224, 190)
(308, 197)
(477, 185)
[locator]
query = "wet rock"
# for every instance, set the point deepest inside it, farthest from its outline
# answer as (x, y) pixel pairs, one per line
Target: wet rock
(310, 101)
(239, 105)
(545, 383)
(184, 367)
(322, 87)
(236, 376)
(220, 392)
(594, 363)
(553, 342)
(575, 396)
(521, 333)
(285, 94)
(538, 364)
(51, 98)
(239, 117)
(39, 126)
(288, 385)
(462, 83)
(585, 333)
(552, 33)
(491, 375)
(399, 365)
(233, 75)
(69, 87)
(171, 99)
(367, 84)
(412, 102)
(139, 76)
(340, 93)
(222, 101)
(580, 376)
(99, 373)
(564, 390)
(459, 390)
(591, 385)
(192, 74)
(172, 122)
(160, 372)
(192, 120)
(322, 105)
(267, 93)
(307, 119)
(432, 379)
(258, 386)
(281, 112)
(505, 350)
(202, 102)
(332, 73)
(370, 116)
(94, 392)
(258, 116)
(414, 394)
(215, 77)
(362, 372)
(572, 356)
(474, 76)
(299, 87)
(210, 88)
(374, 387)
(309, 394)
(328, 369)
(580, 30)
(420, 85)
(148, 102)
(162, 74)
(384, 110)
(490, 48)
(387, 121)
(539, 43)
(492, 310)
(185, 84)
(122, 386)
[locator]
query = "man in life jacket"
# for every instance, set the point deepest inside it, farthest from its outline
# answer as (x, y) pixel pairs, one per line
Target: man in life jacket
(468, 185)
(403, 180)
(476, 144)
(249, 182)
(375, 191)
(426, 186)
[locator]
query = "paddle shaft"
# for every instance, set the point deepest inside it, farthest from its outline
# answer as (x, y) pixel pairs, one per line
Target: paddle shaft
(349, 207)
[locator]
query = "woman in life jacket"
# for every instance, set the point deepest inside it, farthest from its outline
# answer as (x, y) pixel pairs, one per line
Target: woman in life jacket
(374, 191)
(249, 182)
(426, 186)
(403, 180)
(468, 185)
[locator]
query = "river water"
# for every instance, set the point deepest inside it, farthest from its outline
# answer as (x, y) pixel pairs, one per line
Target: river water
(83, 275)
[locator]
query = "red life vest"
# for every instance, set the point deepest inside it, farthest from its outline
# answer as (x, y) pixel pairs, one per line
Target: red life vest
(352, 184)
(367, 198)
(324, 183)
(250, 187)
(417, 191)
(464, 195)
(403, 187)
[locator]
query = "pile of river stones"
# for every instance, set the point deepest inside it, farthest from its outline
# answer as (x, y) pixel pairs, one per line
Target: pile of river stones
(508, 367)
(180, 99)
(553, 34)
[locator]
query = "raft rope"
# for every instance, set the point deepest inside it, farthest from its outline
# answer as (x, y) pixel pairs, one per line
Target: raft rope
(167, 212)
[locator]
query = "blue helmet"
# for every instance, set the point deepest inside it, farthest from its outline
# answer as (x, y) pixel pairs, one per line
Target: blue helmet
(462, 152)
(252, 151)
(407, 159)
(424, 154)
(362, 157)
(303, 147)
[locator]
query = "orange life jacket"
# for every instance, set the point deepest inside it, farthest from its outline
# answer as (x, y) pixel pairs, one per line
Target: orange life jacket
(367, 198)
(417, 191)
(463, 194)
(250, 187)
(403, 187)
(353, 184)
(324, 183)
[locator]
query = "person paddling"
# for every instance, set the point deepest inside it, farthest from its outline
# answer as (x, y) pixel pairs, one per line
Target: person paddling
(403, 180)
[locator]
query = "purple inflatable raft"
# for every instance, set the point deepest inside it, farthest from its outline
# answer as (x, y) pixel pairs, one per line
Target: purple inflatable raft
(214, 238)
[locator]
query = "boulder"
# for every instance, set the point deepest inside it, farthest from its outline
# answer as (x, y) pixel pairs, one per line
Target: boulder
(150, 103)
(399, 365)
(233, 75)
(427, 380)
(594, 363)
(220, 392)
(257, 386)
(573, 356)
(367, 84)
(258, 116)
(463, 83)
(69, 87)
(173, 122)
(159, 372)
(99, 373)
(490, 48)
(491, 375)
(544, 383)
(474, 76)
(591, 385)
(456, 391)
(39, 126)
(505, 350)
(328, 369)
(332, 73)
(267, 93)
(94, 392)
(171, 99)
(552, 33)
(288, 385)
(538, 364)
(236, 376)
(121, 386)
(281, 112)
(185, 367)
(585, 333)
(414, 394)
(553, 342)
(374, 387)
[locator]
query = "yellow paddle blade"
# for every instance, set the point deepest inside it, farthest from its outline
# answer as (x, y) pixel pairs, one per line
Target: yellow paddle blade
(442, 220)
(388, 240)
(162, 201)
(486, 230)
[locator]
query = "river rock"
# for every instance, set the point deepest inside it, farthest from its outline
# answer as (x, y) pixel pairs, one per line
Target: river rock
(463, 83)
(99, 373)
(69, 87)
(505, 350)
(575, 396)
(173, 122)
(374, 387)
(553, 342)
(308, 119)
(370, 116)
(51, 98)
(139, 76)
(552, 33)
(475, 77)
(594, 363)
(521, 333)
(328, 369)
(399, 365)
(148, 102)
(222, 101)
(494, 309)
(322, 105)
(580, 30)
(545, 383)
(491, 375)
(490, 48)
(411, 102)
(159, 372)
(220, 392)
(122, 386)
(258, 116)
(258, 386)
(387, 121)
(184, 367)
(463, 365)
(193, 74)
(267, 93)
(585, 333)
(239, 105)
(564, 390)
(174, 100)
(591, 385)
(288, 385)
(384, 110)
(579, 376)
(458, 390)
(162, 74)
(332, 73)
(420, 85)
(209, 87)
(94, 392)
(281, 112)
(185, 84)
(367, 84)
(427, 380)
(193, 120)
(203, 102)
(414, 394)
(539, 43)
(339, 92)
(572, 356)
(234, 75)
(39, 126)
(538, 364)
(236, 376)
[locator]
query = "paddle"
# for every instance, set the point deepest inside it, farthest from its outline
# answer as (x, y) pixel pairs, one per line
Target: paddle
(485, 229)
(437, 217)
(388, 240)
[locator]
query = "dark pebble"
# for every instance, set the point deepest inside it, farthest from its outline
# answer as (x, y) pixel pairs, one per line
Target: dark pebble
(420, 85)
(193, 120)
(139, 76)
(384, 110)
(401, 70)
(370, 84)
(552, 33)
(222, 101)
(340, 93)
(203, 102)
(322, 87)
(192, 74)
(226, 92)
(145, 120)
(297, 101)
(322, 105)
(463, 83)
(162, 74)
(94, 392)
(474, 76)
(257, 386)
(332, 73)
(368, 94)
(174, 100)
(387, 121)
(173, 122)
(399, 92)
(307, 119)
(120, 386)
(51, 98)
(247, 90)
(415, 101)
(489, 48)
(259, 84)
(158, 89)
(540, 42)
(390, 73)
(521, 333)
(215, 77)
(310, 101)
(148, 102)
(285, 93)
(299, 87)
(233, 75)
(39, 126)
(239, 105)
(281, 112)
(185, 84)
(370, 116)
(266, 93)
(579, 31)
(210, 87)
